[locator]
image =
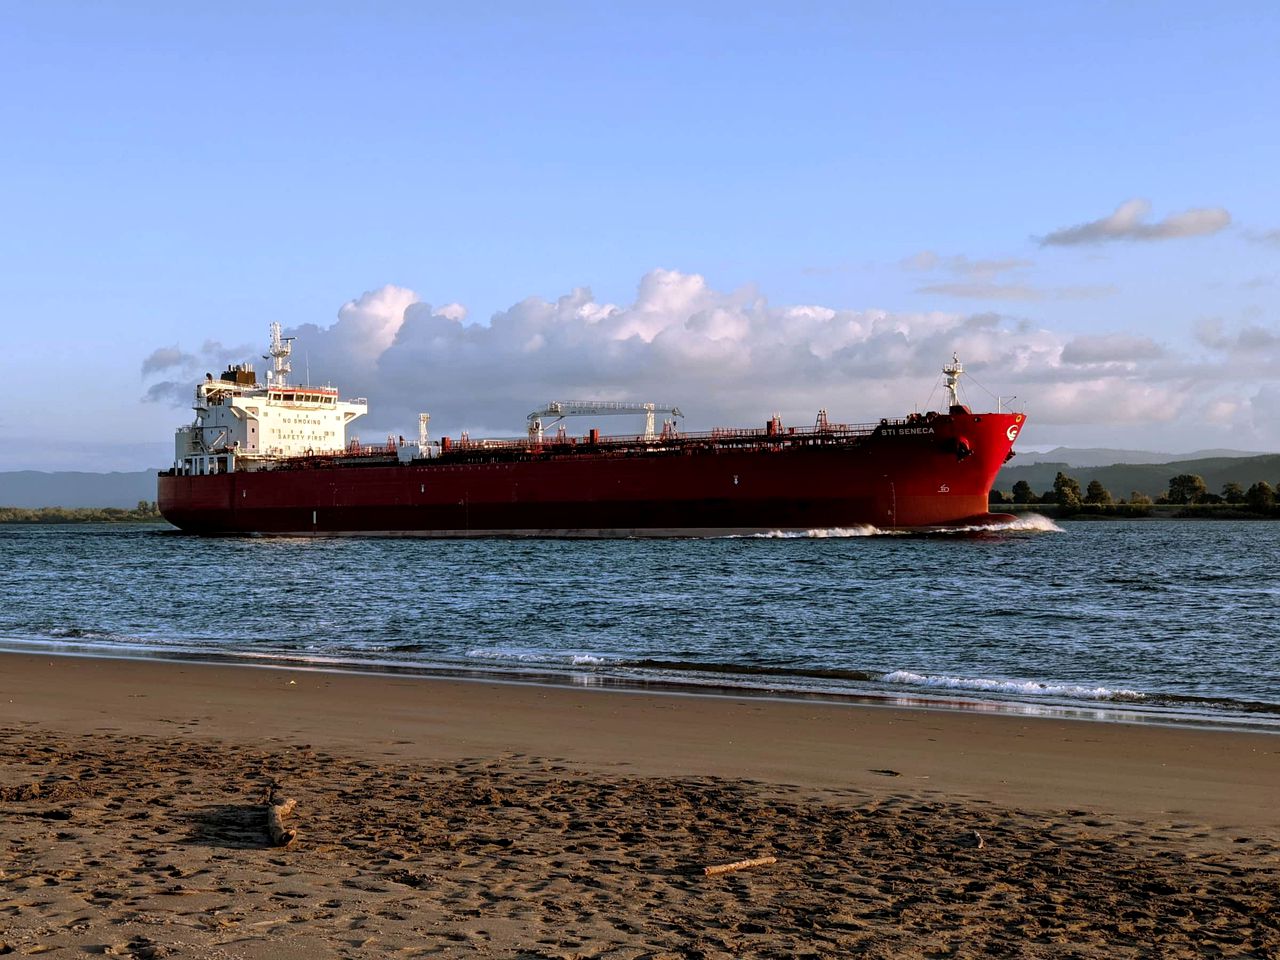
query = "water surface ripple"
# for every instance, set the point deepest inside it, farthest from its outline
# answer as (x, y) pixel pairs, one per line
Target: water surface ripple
(1175, 620)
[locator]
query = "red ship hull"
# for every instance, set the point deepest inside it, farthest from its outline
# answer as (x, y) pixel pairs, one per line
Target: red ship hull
(908, 474)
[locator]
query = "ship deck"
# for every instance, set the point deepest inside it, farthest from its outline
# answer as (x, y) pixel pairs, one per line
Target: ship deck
(466, 451)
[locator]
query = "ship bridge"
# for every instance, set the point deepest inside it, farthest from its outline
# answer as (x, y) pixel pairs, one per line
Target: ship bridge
(240, 423)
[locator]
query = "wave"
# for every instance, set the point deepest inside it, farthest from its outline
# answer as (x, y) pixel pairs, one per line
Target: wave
(519, 655)
(773, 679)
(862, 530)
(751, 670)
(1027, 523)
(1031, 523)
(1016, 688)
(82, 633)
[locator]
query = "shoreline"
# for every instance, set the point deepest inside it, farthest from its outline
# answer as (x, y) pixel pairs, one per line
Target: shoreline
(1128, 511)
(1247, 715)
(1009, 758)
(455, 818)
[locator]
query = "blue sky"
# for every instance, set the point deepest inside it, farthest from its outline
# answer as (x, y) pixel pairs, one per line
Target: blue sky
(174, 174)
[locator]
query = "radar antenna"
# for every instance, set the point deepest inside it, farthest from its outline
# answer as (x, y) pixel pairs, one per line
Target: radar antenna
(278, 354)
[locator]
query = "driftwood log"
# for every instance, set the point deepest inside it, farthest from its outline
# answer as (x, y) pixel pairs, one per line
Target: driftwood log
(277, 810)
(738, 865)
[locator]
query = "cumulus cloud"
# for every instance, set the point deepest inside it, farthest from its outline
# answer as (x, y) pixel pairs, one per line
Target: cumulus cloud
(1110, 348)
(1251, 339)
(1244, 418)
(723, 357)
(1108, 400)
(729, 358)
(1222, 411)
(365, 329)
(1261, 410)
(1129, 222)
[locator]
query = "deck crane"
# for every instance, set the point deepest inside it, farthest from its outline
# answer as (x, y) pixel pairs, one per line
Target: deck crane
(559, 409)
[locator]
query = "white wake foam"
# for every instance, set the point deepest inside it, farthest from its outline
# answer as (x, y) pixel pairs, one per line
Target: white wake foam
(1033, 523)
(1027, 523)
(820, 534)
(1018, 688)
(519, 655)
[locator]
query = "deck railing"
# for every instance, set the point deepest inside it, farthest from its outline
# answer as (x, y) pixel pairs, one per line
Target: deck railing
(768, 437)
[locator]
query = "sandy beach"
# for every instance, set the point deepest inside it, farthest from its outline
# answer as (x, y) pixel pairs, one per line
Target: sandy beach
(477, 818)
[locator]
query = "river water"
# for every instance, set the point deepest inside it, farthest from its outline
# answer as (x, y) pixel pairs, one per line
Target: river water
(1174, 621)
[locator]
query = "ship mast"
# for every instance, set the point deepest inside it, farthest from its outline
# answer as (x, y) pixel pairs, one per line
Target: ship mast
(952, 372)
(278, 354)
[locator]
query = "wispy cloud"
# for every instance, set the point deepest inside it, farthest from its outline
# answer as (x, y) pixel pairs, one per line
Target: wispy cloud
(984, 291)
(960, 265)
(1251, 339)
(1084, 292)
(1109, 349)
(1270, 238)
(984, 279)
(1129, 222)
(1016, 291)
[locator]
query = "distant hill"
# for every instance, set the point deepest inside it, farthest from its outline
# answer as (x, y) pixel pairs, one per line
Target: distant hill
(1104, 456)
(30, 489)
(1149, 478)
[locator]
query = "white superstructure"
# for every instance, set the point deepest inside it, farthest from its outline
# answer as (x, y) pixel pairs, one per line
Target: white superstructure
(240, 424)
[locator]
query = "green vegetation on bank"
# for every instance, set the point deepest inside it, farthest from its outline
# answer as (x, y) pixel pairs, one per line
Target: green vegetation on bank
(33, 489)
(1186, 496)
(1151, 479)
(145, 512)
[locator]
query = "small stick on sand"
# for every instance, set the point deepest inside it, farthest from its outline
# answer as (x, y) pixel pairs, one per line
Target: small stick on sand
(738, 865)
(978, 842)
(281, 835)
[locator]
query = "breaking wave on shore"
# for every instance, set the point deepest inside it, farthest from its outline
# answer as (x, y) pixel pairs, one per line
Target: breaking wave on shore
(1112, 618)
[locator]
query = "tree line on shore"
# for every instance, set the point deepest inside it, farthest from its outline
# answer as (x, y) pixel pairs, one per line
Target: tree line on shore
(146, 510)
(1185, 489)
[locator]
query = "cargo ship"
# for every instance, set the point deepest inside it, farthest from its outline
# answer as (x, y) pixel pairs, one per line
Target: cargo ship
(275, 458)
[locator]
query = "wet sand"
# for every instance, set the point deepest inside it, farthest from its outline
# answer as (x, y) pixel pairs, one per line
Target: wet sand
(456, 818)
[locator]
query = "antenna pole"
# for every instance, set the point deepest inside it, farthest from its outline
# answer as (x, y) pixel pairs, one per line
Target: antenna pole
(278, 354)
(952, 372)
